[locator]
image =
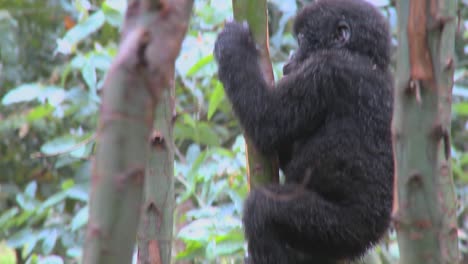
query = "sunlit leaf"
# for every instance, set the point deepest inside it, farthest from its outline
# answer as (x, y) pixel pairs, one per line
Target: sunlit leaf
(100, 61)
(54, 95)
(58, 145)
(80, 219)
(26, 202)
(22, 93)
(78, 192)
(81, 31)
(67, 184)
(114, 11)
(197, 230)
(51, 260)
(49, 241)
(460, 108)
(216, 249)
(31, 189)
(74, 252)
(53, 200)
(81, 151)
(40, 112)
(78, 61)
(193, 152)
(192, 249)
(89, 75)
(21, 238)
(30, 245)
(28, 92)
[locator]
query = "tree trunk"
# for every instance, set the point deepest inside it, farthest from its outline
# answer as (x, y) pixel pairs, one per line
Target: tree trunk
(425, 205)
(151, 40)
(260, 169)
(156, 224)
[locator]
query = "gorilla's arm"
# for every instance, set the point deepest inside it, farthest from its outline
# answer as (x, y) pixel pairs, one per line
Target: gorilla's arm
(267, 115)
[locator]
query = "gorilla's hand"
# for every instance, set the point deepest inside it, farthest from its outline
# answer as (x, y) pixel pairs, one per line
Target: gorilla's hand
(234, 41)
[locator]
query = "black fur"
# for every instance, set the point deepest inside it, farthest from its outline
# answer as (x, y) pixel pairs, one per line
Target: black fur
(329, 121)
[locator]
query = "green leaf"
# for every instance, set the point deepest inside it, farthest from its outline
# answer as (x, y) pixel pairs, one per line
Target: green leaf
(100, 61)
(75, 252)
(22, 93)
(85, 28)
(6, 216)
(33, 259)
(31, 189)
(114, 11)
(206, 135)
(200, 64)
(80, 32)
(23, 217)
(217, 249)
(58, 145)
(460, 108)
(40, 112)
(197, 163)
(80, 219)
(89, 75)
(20, 238)
(49, 241)
(26, 202)
(52, 201)
(30, 246)
(215, 99)
(79, 61)
(187, 119)
(27, 92)
(67, 184)
(54, 95)
(51, 260)
(78, 192)
(192, 249)
(197, 230)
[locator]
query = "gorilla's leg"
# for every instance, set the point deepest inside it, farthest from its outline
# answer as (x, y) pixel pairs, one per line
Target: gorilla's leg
(285, 224)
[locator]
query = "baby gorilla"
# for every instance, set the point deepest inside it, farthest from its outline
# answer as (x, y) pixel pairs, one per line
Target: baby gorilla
(329, 121)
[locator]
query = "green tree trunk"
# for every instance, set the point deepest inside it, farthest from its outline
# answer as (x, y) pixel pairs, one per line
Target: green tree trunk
(138, 75)
(260, 169)
(425, 205)
(156, 224)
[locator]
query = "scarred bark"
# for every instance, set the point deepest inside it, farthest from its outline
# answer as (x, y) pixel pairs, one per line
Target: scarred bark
(425, 208)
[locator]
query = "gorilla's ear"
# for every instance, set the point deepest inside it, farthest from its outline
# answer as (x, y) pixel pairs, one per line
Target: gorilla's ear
(343, 33)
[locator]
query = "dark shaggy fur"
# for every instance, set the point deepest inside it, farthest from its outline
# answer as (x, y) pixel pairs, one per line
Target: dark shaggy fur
(329, 121)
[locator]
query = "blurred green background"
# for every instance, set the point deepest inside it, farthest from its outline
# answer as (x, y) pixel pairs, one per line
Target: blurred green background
(54, 55)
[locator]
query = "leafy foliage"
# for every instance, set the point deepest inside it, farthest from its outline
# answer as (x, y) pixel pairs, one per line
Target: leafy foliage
(53, 59)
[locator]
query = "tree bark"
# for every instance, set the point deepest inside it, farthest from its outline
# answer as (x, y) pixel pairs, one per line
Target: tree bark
(151, 38)
(425, 202)
(156, 225)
